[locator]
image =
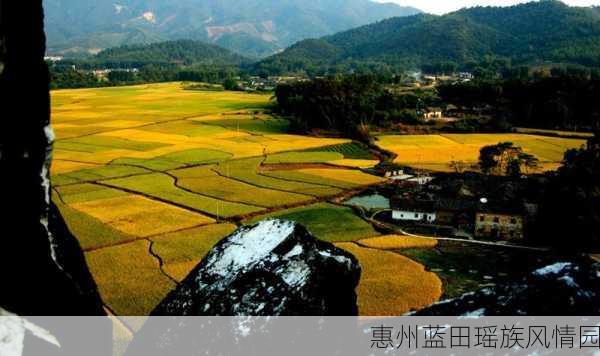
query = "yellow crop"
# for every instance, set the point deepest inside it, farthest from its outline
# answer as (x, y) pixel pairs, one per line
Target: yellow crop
(436, 152)
(129, 278)
(397, 242)
(182, 251)
(345, 175)
(391, 284)
(140, 216)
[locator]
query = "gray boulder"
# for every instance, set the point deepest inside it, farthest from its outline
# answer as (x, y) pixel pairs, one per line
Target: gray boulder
(564, 288)
(273, 268)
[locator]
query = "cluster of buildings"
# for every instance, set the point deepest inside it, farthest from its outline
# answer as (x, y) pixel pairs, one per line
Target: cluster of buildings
(483, 220)
(264, 84)
(103, 73)
(421, 199)
(448, 114)
(53, 59)
(399, 175)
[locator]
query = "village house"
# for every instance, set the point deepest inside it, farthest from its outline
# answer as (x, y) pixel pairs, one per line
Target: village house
(391, 171)
(496, 223)
(465, 76)
(413, 210)
(432, 113)
(53, 58)
(421, 179)
(455, 212)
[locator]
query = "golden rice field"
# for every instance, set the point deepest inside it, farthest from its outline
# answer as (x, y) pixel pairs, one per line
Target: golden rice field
(397, 242)
(392, 284)
(435, 152)
(149, 178)
(129, 278)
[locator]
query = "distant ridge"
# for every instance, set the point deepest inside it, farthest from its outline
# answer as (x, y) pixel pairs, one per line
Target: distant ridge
(254, 28)
(546, 30)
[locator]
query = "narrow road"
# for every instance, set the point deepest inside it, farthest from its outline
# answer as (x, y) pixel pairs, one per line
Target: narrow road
(400, 231)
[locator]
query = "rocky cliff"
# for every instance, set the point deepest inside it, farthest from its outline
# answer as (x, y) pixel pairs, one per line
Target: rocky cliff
(43, 268)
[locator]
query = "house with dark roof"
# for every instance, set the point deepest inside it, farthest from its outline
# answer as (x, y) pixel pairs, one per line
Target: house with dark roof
(455, 212)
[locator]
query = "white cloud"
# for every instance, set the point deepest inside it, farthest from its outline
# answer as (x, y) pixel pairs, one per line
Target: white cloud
(445, 6)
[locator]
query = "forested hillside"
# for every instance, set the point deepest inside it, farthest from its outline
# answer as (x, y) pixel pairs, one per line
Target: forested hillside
(183, 52)
(532, 33)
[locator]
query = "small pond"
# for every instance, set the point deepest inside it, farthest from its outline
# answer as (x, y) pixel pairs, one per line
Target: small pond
(373, 201)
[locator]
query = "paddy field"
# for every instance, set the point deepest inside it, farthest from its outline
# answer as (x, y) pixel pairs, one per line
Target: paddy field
(150, 177)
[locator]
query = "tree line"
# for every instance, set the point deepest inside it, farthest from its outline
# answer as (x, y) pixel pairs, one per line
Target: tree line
(561, 101)
(65, 76)
(347, 104)
(569, 214)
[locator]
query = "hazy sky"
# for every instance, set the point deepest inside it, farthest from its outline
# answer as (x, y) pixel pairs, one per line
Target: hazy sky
(444, 6)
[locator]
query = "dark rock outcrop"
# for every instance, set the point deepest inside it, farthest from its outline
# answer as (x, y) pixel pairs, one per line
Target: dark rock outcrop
(42, 267)
(559, 289)
(273, 268)
(39, 257)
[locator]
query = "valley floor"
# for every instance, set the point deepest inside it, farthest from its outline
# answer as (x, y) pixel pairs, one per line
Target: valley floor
(150, 177)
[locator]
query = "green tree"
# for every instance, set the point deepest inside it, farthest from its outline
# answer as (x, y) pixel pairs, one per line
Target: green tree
(231, 84)
(505, 159)
(569, 213)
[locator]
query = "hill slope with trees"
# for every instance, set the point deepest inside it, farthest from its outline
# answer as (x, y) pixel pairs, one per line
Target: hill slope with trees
(182, 52)
(532, 33)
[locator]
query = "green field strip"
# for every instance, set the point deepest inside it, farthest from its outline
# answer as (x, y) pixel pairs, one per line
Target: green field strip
(320, 220)
(295, 176)
(247, 171)
(350, 150)
(207, 182)
(100, 173)
(162, 187)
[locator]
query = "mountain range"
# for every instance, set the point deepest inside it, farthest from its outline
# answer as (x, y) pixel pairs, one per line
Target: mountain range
(531, 33)
(254, 28)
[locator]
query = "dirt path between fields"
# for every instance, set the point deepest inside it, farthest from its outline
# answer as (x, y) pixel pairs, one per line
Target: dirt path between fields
(297, 166)
(398, 230)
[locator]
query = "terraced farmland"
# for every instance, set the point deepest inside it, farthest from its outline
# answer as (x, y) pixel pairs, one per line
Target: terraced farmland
(435, 152)
(150, 177)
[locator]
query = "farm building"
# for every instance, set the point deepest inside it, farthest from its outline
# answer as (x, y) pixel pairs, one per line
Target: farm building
(432, 113)
(503, 224)
(393, 173)
(455, 212)
(466, 76)
(388, 170)
(452, 111)
(421, 180)
(413, 210)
